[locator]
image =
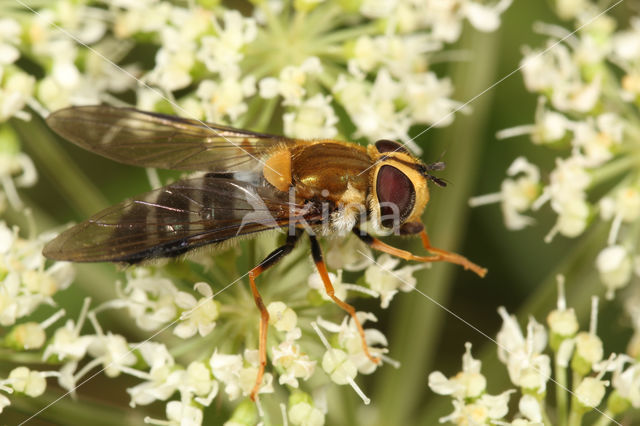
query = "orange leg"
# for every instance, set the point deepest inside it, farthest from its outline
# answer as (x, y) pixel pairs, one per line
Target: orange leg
(439, 254)
(322, 270)
(269, 261)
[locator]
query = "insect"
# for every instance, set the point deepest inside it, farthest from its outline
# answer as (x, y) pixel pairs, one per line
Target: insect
(251, 182)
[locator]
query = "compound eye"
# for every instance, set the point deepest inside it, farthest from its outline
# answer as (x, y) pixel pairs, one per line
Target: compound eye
(385, 145)
(396, 196)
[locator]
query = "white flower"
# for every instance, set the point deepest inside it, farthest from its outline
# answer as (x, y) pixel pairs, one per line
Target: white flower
(572, 217)
(67, 344)
(549, 127)
(480, 411)
(181, 414)
(596, 142)
(16, 87)
(519, 194)
(568, 9)
(291, 82)
(294, 364)
(282, 317)
(338, 366)
(366, 53)
(568, 180)
(4, 402)
(349, 253)
(529, 407)
(563, 322)
(577, 96)
(312, 118)
(485, 17)
(371, 107)
(141, 16)
(198, 380)
(227, 369)
(588, 348)
(627, 382)
(113, 351)
(340, 290)
(30, 382)
(429, 99)
(626, 44)
(615, 268)
(29, 335)
(79, 20)
(225, 98)
(305, 414)
(350, 340)
(237, 378)
(9, 38)
(402, 55)
(173, 67)
(162, 380)
(516, 195)
(590, 391)
(527, 366)
(627, 204)
(150, 299)
(222, 52)
(384, 280)
(155, 355)
(469, 383)
(200, 314)
(377, 8)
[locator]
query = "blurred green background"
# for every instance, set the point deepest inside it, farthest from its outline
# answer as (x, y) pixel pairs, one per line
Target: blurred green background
(423, 335)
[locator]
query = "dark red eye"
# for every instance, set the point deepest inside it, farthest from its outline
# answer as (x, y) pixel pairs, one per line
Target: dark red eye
(385, 145)
(396, 195)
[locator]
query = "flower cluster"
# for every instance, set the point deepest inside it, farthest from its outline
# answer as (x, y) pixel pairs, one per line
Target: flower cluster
(155, 303)
(318, 69)
(580, 353)
(589, 97)
(27, 282)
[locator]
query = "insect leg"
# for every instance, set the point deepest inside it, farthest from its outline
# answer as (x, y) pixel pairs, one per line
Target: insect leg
(439, 254)
(316, 252)
(269, 261)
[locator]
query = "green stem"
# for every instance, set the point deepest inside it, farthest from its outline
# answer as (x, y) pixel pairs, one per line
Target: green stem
(605, 419)
(59, 168)
(323, 19)
(329, 76)
(72, 412)
(266, 115)
(416, 322)
(575, 418)
(348, 34)
(561, 393)
(614, 168)
(298, 24)
(577, 410)
(273, 22)
(12, 356)
(545, 415)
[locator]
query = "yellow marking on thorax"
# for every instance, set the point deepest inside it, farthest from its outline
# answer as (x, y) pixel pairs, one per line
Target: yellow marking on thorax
(277, 169)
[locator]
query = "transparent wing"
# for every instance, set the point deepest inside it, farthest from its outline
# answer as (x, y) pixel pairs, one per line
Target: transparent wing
(169, 221)
(148, 139)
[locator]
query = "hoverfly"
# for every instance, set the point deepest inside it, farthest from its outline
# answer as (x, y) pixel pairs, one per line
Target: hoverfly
(252, 182)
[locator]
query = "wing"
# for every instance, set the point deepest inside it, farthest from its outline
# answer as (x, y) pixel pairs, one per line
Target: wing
(169, 221)
(148, 139)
